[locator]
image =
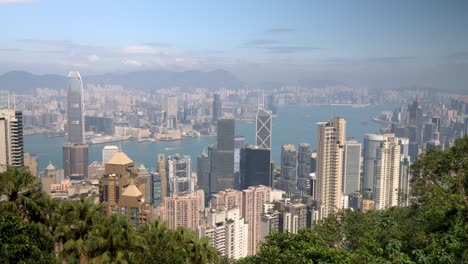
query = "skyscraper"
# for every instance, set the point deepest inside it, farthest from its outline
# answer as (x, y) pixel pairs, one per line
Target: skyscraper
(288, 169)
(387, 173)
(161, 164)
(304, 168)
(75, 109)
(371, 143)
(179, 174)
(217, 108)
(351, 167)
(330, 141)
(203, 172)
(11, 139)
(75, 151)
(254, 199)
(171, 106)
(222, 157)
(255, 167)
(263, 128)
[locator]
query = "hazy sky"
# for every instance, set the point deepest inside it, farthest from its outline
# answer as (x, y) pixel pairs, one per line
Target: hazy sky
(364, 43)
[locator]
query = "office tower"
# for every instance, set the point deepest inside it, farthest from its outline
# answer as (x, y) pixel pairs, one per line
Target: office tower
(132, 205)
(304, 168)
(181, 211)
(75, 161)
(227, 232)
(238, 144)
(263, 129)
(75, 151)
(203, 172)
(355, 201)
(371, 143)
(351, 167)
(171, 106)
(217, 108)
(108, 152)
(429, 130)
(179, 174)
(387, 173)
(436, 120)
(255, 167)
(144, 180)
(330, 141)
(222, 158)
(415, 113)
(156, 189)
(270, 103)
(30, 162)
(120, 164)
(161, 164)
(75, 109)
(227, 200)
(11, 139)
(254, 199)
(288, 169)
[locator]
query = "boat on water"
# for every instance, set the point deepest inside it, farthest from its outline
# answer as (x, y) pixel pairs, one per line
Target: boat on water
(107, 139)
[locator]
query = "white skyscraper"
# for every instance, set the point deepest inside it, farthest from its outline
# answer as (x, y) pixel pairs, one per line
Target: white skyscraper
(330, 141)
(387, 173)
(11, 139)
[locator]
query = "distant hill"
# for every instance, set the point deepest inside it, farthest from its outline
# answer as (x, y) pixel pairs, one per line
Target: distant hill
(25, 82)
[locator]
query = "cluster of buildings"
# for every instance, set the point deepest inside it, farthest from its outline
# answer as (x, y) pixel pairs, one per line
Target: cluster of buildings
(236, 197)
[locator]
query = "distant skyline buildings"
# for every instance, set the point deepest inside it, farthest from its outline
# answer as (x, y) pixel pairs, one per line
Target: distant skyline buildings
(217, 109)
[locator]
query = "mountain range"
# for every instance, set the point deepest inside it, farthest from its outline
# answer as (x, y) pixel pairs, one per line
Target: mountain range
(24, 82)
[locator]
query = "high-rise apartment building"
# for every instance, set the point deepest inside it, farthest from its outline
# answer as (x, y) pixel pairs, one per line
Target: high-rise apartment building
(179, 174)
(288, 169)
(351, 167)
(181, 211)
(330, 141)
(30, 162)
(227, 232)
(11, 139)
(387, 173)
(217, 108)
(75, 151)
(254, 199)
(263, 128)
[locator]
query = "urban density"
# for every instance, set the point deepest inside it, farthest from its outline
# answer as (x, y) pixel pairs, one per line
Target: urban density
(222, 159)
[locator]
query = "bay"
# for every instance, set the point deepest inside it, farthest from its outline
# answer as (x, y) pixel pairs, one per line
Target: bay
(293, 125)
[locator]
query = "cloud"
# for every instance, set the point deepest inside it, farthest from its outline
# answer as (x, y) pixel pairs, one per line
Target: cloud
(144, 50)
(280, 30)
(289, 49)
(133, 63)
(18, 1)
(93, 58)
(261, 42)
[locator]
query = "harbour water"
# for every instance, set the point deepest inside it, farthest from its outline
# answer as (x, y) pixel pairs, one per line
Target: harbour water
(294, 125)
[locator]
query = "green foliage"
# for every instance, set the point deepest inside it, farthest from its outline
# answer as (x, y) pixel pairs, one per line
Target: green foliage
(37, 229)
(434, 229)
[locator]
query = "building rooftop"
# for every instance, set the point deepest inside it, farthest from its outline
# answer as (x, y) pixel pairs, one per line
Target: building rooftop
(132, 191)
(120, 158)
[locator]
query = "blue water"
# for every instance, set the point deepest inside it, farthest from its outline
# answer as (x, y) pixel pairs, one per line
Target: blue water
(293, 125)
